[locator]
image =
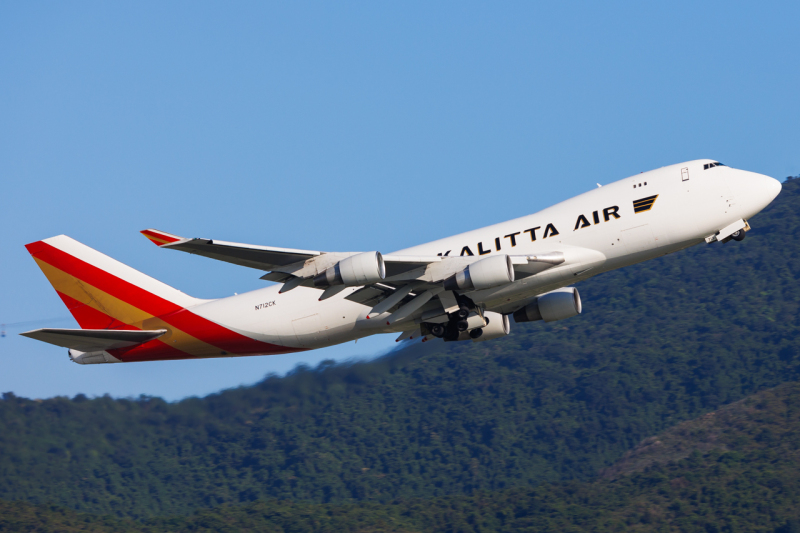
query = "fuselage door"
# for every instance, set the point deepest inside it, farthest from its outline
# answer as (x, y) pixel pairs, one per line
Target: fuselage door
(308, 331)
(638, 239)
(685, 174)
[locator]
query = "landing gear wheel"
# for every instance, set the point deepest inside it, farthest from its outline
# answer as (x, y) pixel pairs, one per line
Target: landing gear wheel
(476, 333)
(738, 235)
(451, 334)
(462, 325)
(463, 312)
(437, 330)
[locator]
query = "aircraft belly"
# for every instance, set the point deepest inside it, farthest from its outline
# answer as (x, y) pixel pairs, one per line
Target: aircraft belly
(295, 319)
(334, 323)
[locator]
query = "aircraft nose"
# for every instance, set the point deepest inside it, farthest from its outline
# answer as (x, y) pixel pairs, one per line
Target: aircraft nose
(763, 189)
(770, 188)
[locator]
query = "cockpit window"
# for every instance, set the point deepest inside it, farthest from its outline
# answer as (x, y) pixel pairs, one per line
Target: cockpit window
(712, 165)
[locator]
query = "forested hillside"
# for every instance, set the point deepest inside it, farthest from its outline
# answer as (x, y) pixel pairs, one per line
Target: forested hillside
(737, 469)
(658, 343)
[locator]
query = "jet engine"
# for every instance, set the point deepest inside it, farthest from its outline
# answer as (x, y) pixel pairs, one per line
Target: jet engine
(354, 271)
(556, 305)
(483, 274)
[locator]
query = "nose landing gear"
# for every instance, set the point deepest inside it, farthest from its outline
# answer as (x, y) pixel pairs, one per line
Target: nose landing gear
(738, 235)
(735, 231)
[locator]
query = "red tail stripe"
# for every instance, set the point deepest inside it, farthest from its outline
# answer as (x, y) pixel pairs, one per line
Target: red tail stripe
(121, 289)
(154, 350)
(186, 321)
(90, 318)
(157, 350)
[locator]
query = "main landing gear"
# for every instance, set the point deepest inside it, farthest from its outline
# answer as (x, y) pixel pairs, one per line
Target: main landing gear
(738, 235)
(476, 333)
(457, 323)
(437, 330)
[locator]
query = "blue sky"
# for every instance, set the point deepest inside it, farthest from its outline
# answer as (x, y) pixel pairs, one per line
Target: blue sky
(346, 126)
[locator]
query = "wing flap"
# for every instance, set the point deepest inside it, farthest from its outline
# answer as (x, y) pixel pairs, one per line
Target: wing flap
(93, 340)
(397, 265)
(370, 295)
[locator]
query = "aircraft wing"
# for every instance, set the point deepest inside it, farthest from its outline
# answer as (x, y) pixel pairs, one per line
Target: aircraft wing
(248, 255)
(407, 278)
(283, 263)
(93, 340)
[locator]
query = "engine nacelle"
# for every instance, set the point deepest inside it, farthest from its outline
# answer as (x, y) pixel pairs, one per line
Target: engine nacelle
(498, 326)
(483, 274)
(556, 305)
(354, 271)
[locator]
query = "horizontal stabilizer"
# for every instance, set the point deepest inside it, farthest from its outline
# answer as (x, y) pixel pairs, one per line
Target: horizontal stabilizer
(93, 340)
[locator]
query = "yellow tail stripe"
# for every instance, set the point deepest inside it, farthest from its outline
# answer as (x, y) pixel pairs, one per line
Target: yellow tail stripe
(124, 312)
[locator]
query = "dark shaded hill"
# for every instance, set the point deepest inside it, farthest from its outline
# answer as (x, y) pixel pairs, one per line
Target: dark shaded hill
(762, 425)
(658, 343)
(747, 478)
(22, 516)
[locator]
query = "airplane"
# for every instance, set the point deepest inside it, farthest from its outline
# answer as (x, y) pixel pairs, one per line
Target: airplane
(460, 288)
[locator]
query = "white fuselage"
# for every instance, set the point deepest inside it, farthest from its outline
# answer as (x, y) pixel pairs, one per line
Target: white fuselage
(597, 231)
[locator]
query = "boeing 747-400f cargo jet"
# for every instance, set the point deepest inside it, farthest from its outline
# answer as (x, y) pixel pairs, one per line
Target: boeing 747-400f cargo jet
(459, 288)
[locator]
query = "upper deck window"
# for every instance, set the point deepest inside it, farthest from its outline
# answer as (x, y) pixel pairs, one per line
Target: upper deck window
(712, 165)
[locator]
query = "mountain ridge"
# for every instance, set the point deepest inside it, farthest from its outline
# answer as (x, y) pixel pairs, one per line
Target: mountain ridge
(746, 478)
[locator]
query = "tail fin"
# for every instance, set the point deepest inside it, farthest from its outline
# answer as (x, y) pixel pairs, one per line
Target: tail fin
(100, 292)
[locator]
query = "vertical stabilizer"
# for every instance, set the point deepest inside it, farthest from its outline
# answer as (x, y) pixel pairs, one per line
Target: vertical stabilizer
(100, 292)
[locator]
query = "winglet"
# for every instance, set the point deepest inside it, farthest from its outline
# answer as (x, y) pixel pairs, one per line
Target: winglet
(160, 238)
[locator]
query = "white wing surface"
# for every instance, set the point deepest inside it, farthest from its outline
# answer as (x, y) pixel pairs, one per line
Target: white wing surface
(282, 263)
(248, 255)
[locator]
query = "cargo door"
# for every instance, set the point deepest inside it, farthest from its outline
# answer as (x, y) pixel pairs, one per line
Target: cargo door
(638, 239)
(307, 331)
